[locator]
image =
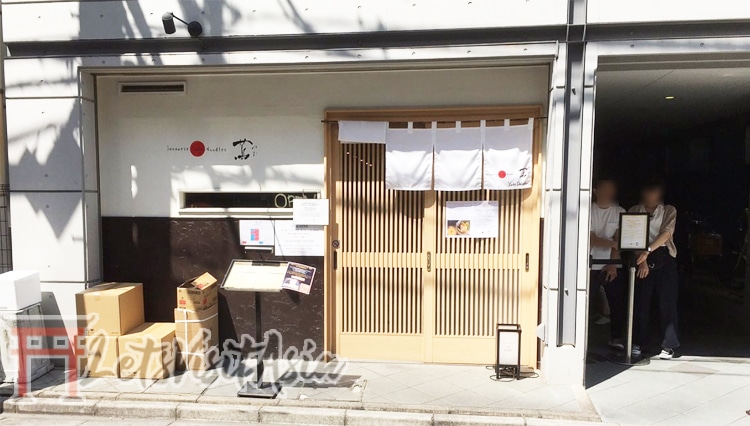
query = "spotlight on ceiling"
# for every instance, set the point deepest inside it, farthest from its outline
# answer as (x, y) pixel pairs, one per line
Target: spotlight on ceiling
(194, 28)
(669, 98)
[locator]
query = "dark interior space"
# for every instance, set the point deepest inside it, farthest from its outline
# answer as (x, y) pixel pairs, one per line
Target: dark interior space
(690, 125)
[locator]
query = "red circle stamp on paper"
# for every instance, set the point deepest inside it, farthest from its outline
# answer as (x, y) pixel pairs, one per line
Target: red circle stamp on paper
(197, 148)
(502, 174)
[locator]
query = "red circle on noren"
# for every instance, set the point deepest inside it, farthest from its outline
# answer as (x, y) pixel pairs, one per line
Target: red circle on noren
(197, 148)
(502, 174)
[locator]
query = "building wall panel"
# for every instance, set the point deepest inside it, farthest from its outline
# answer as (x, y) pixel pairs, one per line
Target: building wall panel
(609, 11)
(48, 234)
(63, 20)
(44, 149)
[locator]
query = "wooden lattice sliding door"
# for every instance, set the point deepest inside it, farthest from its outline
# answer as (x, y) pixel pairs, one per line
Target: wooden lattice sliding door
(397, 287)
(477, 281)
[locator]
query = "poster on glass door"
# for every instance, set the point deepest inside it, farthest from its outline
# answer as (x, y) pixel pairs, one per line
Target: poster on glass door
(472, 219)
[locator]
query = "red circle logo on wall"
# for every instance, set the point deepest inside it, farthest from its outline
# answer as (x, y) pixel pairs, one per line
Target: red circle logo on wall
(502, 174)
(197, 148)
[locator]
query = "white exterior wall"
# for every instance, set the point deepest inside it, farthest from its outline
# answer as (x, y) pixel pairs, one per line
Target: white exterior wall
(280, 112)
(63, 20)
(620, 11)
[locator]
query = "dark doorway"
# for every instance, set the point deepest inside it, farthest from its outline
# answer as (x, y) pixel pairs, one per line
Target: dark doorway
(690, 124)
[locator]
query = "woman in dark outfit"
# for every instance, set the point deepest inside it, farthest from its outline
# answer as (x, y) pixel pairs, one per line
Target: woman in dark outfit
(657, 272)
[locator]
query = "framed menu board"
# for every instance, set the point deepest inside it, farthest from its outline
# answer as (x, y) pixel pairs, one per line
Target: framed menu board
(253, 275)
(634, 231)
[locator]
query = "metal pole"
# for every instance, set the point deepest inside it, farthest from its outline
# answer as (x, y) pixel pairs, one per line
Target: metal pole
(260, 368)
(631, 305)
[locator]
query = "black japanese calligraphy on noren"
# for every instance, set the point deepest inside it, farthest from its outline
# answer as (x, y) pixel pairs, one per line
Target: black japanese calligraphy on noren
(247, 149)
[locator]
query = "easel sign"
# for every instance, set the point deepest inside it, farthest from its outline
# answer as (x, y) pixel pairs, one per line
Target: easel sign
(634, 231)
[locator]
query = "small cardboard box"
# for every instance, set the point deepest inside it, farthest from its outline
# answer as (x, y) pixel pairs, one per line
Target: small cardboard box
(112, 308)
(196, 331)
(102, 356)
(198, 293)
(19, 290)
(148, 351)
(199, 361)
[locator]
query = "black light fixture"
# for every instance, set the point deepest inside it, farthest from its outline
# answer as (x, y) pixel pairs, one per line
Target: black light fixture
(194, 28)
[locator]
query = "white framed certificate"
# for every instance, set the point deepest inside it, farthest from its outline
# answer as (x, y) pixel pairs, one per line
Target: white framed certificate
(634, 231)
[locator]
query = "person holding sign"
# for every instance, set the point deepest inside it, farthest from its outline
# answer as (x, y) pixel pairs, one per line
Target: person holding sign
(657, 271)
(605, 219)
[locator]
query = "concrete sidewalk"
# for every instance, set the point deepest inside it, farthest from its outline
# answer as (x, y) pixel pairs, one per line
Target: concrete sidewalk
(690, 390)
(333, 393)
(685, 391)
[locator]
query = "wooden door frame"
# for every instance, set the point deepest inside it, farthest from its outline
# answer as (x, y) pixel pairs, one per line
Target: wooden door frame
(530, 203)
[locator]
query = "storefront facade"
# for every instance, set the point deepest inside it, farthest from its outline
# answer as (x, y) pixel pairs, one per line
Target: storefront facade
(104, 111)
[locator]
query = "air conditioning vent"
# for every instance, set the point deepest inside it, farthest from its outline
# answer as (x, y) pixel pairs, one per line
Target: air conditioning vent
(153, 88)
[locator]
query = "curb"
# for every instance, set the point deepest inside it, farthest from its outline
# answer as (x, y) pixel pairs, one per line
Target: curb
(275, 412)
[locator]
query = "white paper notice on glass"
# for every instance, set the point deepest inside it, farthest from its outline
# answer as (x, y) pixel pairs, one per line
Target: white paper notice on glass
(310, 211)
(472, 219)
(634, 231)
(256, 233)
(299, 240)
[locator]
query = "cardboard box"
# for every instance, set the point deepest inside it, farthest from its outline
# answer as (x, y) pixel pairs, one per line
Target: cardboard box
(19, 290)
(102, 356)
(198, 293)
(199, 361)
(112, 308)
(148, 351)
(196, 331)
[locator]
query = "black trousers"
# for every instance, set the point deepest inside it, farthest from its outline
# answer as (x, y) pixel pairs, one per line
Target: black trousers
(660, 284)
(616, 291)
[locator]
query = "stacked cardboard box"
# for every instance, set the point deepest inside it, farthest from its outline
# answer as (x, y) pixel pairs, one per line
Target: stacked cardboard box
(117, 341)
(197, 323)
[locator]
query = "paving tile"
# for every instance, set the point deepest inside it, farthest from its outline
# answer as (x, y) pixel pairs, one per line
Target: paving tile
(745, 421)
(540, 399)
(568, 407)
(738, 369)
(461, 381)
(497, 390)
(742, 394)
(464, 398)
(342, 394)
(682, 420)
(223, 389)
(408, 396)
(624, 394)
(383, 386)
(186, 383)
(108, 384)
(720, 411)
(388, 368)
(650, 411)
(375, 399)
(415, 376)
(438, 388)
(693, 368)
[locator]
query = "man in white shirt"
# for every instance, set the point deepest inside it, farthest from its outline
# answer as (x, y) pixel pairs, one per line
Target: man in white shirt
(605, 221)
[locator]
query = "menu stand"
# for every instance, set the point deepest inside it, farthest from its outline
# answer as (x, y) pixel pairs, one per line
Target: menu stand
(258, 277)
